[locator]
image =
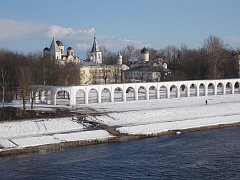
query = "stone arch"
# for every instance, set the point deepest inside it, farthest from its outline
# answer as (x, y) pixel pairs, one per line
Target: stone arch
(236, 88)
(130, 94)
(183, 90)
(202, 89)
(163, 92)
(62, 97)
(105, 95)
(228, 88)
(80, 97)
(220, 88)
(118, 94)
(142, 92)
(210, 89)
(173, 91)
(152, 92)
(193, 90)
(92, 96)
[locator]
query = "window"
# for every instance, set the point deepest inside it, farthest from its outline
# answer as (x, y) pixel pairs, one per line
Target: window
(89, 79)
(83, 71)
(99, 71)
(83, 78)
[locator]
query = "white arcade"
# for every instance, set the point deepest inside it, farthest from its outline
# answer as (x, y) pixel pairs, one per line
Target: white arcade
(100, 93)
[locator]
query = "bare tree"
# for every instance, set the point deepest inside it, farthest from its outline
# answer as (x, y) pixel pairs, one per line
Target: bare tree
(214, 46)
(24, 81)
(3, 83)
(128, 54)
(105, 74)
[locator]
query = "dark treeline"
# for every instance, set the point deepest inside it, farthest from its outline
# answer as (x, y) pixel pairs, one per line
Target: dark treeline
(19, 71)
(214, 60)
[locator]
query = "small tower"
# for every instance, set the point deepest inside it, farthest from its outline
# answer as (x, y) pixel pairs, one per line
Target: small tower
(119, 59)
(61, 46)
(55, 50)
(144, 55)
(69, 51)
(45, 52)
(95, 54)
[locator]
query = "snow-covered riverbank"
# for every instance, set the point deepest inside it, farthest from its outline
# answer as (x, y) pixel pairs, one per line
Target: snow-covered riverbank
(135, 118)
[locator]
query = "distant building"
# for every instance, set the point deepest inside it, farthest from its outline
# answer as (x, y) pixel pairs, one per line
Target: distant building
(146, 70)
(56, 51)
(91, 71)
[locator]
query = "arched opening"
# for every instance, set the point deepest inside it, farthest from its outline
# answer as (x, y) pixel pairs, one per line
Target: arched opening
(105, 95)
(229, 88)
(62, 98)
(163, 92)
(201, 89)
(236, 88)
(41, 96)
(130, 94)
(118, 95)
(141, 93)
(219, 89)
(183, 90)
(210, 89)
(80, 97)
(193, 90)
(152, 92)
(92, 96)
(173, 91)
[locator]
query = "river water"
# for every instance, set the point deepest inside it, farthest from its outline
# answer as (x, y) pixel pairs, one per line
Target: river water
(202, 155)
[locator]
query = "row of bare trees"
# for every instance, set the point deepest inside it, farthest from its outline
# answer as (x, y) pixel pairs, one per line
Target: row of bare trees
(19, 71)
(213, 60)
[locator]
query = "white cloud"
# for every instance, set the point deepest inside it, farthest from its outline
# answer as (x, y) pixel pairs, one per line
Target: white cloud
(232, 39)
(11, 29)
(65, 33)
(80, 40)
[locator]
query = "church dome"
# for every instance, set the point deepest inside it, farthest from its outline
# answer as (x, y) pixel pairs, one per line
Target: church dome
(69, 48)
(119, 55)
(46, 49)
(59, 43)
(144, 50)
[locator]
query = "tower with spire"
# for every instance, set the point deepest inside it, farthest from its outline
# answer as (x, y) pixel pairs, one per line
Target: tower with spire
(55, 50)
(95, 54)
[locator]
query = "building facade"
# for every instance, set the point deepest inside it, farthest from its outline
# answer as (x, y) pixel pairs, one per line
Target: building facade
(56, 51)
(91, 71)
(146, 70)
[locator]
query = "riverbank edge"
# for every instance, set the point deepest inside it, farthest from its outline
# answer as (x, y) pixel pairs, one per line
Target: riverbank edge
(119, 138)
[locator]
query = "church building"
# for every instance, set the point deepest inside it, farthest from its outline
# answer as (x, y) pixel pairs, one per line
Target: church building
(145, 70)
(56, 51)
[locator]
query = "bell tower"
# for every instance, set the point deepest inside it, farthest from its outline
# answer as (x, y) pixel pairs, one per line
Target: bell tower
(95, 54)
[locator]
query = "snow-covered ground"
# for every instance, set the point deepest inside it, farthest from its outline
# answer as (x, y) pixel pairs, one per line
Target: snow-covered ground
(155, 116)
(133, 117)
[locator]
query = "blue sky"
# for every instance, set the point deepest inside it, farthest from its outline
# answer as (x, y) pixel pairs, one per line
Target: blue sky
(29, 25)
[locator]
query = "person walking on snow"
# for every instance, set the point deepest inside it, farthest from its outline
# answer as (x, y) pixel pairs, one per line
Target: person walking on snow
(206, 102)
